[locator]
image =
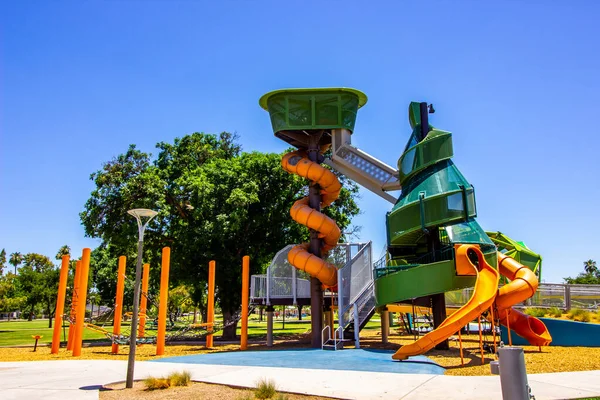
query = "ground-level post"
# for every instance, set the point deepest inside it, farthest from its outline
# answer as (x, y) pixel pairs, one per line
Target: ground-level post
(81, 302)
(60, 303)
(119, 302)
(270, 310)
(162, 305)
(385, 325)
(210, 305)
(73, 313)
(144, 301)
(245, 299)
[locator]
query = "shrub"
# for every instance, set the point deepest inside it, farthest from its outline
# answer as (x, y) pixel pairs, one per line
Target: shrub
(156, 383)
(579, 315)
(180, 378)
(555, 312)
(535, 312)
(265, 389)
(281, 396)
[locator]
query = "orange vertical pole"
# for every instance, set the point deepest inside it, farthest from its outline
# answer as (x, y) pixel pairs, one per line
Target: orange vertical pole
(462, 360)
(245, 299)
(162, 305)
(480, 339)
(60, 304)
(119, 302)
(508, 327)
(210, 305)
(81, 302)
(144, 301)
(73, 313)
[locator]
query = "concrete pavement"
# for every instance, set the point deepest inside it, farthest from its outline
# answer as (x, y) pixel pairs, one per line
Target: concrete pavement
(81, 379)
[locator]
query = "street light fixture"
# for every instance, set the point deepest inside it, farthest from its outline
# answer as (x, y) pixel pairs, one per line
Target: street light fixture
(139, 214)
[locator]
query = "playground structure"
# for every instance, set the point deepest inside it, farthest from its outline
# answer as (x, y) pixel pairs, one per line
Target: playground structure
(77, 320)
(434, 243)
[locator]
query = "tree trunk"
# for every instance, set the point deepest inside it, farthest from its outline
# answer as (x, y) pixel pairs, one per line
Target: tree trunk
(229, 331)
(195, 321)
(299, 313)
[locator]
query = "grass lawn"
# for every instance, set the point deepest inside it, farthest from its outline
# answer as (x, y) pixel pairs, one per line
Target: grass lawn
(19, 332)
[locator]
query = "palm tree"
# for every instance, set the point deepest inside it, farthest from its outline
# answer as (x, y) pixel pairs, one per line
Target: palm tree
(63, 251)
(15, 260)
(590, 267)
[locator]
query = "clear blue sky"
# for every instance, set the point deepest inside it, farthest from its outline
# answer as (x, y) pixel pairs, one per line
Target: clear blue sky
(517, 83)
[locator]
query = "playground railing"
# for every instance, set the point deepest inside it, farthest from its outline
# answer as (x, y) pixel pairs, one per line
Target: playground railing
(563, 296)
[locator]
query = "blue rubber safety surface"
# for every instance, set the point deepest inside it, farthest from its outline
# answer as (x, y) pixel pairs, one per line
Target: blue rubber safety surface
(347, 359)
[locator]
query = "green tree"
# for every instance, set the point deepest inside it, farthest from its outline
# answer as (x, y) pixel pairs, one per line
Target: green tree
(38, 280)
(589, 267)
(63, 251)
(2, 261)
(589, 276)
(10, 298)
(15, 260)
(215, 203)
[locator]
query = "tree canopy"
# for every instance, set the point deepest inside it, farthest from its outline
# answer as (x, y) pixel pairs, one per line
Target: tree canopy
(215, 202)
(589, 276)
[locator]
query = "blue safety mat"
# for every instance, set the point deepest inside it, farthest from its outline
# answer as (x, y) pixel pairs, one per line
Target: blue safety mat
(347, 359)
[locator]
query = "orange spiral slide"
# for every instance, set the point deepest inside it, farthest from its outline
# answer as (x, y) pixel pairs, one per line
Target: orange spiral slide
(523, 285)
(298, 163)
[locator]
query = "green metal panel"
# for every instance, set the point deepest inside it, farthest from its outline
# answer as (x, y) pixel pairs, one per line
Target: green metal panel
(419, 281)
(309, 109)
(436, 147)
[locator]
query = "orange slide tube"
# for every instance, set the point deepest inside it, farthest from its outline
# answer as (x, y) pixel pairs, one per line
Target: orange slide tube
(60, 303)
(162, 304)
(483, 296)
(523, 285)
(297, 163)
(119, 302)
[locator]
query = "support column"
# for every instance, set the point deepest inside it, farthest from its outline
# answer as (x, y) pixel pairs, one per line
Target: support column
(81, 302)
(144, 301)
(316, 292)
(438, 307)
(328, 311)
(60, 303)
(385, 325)
(119, 302)
(270, 310)
(164, 298)
(210, 303)
(73, 313)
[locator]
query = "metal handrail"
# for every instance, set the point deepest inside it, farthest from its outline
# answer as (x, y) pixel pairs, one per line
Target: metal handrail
(323, 341)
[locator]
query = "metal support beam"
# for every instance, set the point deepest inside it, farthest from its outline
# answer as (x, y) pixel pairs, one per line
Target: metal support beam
(316, 293)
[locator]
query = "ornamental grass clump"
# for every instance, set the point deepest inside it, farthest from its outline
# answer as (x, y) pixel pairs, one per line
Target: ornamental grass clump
(265, 389)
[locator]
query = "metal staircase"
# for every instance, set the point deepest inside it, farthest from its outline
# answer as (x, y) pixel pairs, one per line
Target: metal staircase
(356, 297)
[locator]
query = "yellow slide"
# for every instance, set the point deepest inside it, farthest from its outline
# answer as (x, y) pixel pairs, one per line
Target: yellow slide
(297, 163)
(483, 296)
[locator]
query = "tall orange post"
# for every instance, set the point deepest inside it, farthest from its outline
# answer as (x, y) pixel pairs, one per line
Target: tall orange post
(73, 312)
(245, 298)
(81, 302)
(60, 304)
(162, 305)
(210, 304)
(119, 302)
(144, 301)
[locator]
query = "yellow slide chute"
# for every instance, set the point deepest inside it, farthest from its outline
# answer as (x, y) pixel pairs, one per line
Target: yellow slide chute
(298, 163)
(482, 299)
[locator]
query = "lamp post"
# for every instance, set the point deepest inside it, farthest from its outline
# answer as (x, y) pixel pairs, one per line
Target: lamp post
(138, 213)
